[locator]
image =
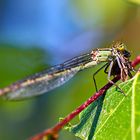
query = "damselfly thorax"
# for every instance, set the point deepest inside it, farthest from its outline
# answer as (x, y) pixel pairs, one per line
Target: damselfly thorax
(121, 63)
(116, 60)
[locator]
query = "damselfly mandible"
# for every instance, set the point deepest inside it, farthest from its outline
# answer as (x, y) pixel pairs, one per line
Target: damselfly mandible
(116, 60)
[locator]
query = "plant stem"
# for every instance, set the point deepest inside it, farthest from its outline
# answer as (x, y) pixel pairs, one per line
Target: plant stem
(136, 61)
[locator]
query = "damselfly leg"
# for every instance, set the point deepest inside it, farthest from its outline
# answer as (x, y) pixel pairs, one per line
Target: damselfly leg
(94, 80)
(110, 65)
(109, 75)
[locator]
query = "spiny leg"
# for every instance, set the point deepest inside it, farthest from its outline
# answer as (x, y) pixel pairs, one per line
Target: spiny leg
(105, 70)
(97, 73)
(129, 74)
(109, 75)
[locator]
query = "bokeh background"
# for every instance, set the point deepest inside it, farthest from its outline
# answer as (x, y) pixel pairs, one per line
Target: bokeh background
(35, 35)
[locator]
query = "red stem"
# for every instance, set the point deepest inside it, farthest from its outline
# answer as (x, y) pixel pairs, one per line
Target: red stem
(53, 132)
(136, 61)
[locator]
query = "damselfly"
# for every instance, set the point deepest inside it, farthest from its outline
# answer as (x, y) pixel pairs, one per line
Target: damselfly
(116, 60)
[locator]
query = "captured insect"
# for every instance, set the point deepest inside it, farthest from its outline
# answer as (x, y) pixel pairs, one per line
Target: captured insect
(116, 60)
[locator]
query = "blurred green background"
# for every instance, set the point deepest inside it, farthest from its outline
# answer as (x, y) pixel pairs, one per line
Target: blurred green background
(35, 35)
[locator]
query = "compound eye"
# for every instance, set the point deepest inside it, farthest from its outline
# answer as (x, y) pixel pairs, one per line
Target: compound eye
(121, 47)
(126, 54)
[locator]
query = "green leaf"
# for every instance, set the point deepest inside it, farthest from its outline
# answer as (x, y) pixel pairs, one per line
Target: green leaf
(112, 116)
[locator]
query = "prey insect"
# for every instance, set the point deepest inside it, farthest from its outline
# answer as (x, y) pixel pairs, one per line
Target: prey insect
(116, 59)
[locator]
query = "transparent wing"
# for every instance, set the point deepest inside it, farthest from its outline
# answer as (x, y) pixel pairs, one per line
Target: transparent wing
(45, 84)
(45, 81)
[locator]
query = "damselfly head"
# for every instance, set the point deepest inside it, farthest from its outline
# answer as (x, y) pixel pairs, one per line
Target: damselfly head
(121, 49)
